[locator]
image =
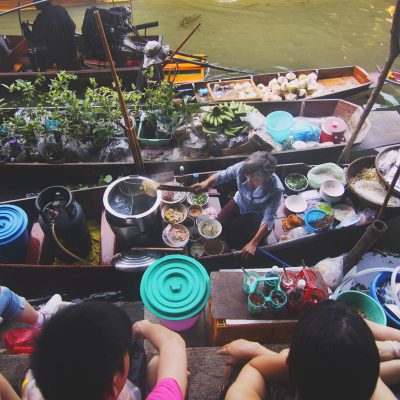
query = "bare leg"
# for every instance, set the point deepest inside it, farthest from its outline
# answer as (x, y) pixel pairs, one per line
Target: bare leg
(29, 315)
(390, 372)
(152, 372)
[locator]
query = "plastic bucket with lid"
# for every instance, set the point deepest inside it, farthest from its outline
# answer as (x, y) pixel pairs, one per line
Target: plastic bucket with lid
(333, 130)
(175, 288)
(14, 236)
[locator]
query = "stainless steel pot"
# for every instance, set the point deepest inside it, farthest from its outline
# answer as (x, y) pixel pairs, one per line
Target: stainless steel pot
(132, 214)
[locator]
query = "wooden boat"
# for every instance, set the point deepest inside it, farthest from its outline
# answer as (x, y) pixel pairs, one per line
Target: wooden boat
(393, 75)
(337, 82)
(20, 67)
(9, 4)
(40, 256)
(33, 177)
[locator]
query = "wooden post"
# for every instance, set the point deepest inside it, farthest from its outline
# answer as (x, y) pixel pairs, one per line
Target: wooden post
(394, 52)
(133, 140)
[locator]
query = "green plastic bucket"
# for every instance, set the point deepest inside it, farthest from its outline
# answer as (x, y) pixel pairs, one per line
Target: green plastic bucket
(176, 289)
(368, 307)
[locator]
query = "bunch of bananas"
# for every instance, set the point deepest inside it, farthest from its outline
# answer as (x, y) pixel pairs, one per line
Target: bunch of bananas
(225, 118)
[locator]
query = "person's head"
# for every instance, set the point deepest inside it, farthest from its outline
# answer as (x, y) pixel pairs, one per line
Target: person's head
(42, 6)
(82, 353)
(259, 167)
(333, 355)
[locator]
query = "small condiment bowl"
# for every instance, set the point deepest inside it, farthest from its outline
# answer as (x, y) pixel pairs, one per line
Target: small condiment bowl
(195, 211)
(295, 204)
(331, 191)
(180, 207)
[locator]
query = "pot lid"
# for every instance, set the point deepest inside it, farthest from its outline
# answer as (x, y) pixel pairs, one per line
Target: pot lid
(175, 287)
(13, 222)
(135, 260)
(334, 125)
(124, 198)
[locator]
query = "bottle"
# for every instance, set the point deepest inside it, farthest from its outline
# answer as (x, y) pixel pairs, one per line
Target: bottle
(12, 151)
(180, 178)
(296, 296)
(196, 178)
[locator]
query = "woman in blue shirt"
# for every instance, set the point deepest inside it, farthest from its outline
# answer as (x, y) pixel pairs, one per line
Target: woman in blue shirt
(248, 217)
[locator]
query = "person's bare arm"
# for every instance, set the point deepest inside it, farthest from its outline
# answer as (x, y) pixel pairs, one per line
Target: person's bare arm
(382, 392)
(251, 247)
(6, 390)
(249, 385)
(390, 372)
(204, 185)
(172, 351)
(382, 332)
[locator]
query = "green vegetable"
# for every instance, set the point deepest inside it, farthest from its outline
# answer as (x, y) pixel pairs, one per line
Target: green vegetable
(199, 199)
(296, 182)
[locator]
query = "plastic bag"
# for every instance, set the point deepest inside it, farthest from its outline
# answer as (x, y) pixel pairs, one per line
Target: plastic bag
(331, 270)
(217, 143)
(237, 141)
(305, 131)
(116, 150)
(295, 233)
(21, 341)
(322, 172)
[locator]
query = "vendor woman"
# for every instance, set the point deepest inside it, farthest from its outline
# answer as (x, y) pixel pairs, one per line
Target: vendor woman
(249, 217)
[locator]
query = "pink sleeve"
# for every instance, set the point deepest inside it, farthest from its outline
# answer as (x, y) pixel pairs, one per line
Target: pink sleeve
(166, 389)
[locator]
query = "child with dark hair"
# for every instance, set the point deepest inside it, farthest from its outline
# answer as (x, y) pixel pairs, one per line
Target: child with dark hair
(333, 355)
(84, 353)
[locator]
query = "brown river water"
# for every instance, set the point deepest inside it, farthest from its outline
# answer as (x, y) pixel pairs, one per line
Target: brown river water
(265, 35)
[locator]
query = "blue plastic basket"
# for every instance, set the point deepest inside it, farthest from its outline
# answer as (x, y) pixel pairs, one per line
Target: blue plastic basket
(380, 280)
(311, 216)
(278, 124)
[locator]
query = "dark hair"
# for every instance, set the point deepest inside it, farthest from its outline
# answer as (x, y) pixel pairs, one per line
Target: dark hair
(80, 350)
(333, 355)
(260, 164)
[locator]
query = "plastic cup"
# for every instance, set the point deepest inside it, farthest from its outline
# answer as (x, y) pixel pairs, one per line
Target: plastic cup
(288, 281)
(277, 301)
(255, 303)
(249, 280)
(273, 284)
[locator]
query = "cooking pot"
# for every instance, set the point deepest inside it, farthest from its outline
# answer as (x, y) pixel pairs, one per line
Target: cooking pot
(132, 214)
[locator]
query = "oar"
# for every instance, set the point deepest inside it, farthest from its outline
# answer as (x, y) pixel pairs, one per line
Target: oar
(170, 57)
(24, 6)
(133, 140)
(213, 66)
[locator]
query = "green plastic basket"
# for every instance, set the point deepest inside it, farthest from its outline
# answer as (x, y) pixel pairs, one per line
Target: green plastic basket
(368, 306)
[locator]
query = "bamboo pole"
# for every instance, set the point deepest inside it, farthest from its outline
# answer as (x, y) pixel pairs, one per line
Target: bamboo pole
(133, 140)
(171, 56)
(389, 194)
(394, 52)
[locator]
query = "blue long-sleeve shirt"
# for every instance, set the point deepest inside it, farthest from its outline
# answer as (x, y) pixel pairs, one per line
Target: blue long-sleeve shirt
(264, 200)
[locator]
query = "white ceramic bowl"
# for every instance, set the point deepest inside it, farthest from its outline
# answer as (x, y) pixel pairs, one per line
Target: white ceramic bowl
(215, 223)
(190, 197)
(180, 207)
(331, 191)
(296, 204)
(179, 197)
(169, 241)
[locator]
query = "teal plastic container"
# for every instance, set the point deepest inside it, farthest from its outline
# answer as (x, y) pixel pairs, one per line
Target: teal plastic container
(176, 289)
(368, 307)
(14, 237)
(278, 124)
(314, 215)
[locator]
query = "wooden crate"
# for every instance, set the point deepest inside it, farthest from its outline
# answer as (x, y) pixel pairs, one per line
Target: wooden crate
(212, 84)
(266, 331)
